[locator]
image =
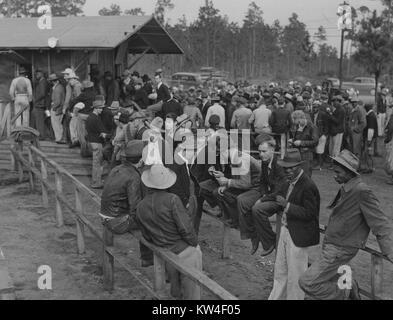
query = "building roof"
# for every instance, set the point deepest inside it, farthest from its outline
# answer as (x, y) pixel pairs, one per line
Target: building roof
(101, 32)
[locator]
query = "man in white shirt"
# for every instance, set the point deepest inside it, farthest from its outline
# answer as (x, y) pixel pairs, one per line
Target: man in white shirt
(21, 93)
(260, 118)
(217, 109)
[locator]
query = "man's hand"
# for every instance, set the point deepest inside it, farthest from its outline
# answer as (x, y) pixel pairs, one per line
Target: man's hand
(222, 181)
(281, 201)
(103, 135)
(218, 174)
(297, 143)
(221, 190)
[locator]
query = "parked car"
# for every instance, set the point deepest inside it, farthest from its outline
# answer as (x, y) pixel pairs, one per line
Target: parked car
(186, 79)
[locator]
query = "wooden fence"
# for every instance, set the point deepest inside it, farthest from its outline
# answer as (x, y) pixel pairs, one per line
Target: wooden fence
(110, 253)
(160, 256)
(5, 119)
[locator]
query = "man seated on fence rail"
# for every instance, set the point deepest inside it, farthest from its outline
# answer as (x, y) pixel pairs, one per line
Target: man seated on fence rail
(257, 205)
(299, 228)
(355, 211)
(164, 222)
(123, 190)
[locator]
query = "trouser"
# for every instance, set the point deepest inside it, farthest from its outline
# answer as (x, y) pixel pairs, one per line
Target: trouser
(291, 263)
(356, 143)
(73, 128)
(335, 144)
(97, 163)
(320, 281)
(208, 191)
(155, 108)
(181, 286)
(381, 118)
(80, 128)
(281, 140)
(22, 103)
(261, 212)
(39, 121)
(245, 202)
(227, 203)
(56, 125)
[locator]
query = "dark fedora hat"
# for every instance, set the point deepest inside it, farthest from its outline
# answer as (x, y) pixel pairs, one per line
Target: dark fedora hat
(292, 158)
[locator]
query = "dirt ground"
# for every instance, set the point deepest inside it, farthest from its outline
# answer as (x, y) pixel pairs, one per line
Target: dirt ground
(29, 238)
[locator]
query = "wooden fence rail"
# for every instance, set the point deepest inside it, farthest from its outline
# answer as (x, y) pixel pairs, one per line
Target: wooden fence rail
(110, 253)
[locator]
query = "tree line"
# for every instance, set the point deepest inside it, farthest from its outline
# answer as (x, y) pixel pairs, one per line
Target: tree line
(253, 49)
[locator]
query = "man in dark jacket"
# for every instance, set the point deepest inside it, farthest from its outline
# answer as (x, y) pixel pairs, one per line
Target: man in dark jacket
(171, 106)
(299, 229)
(96, 135)
(40, 95)
(355, 210)
(336, 121)
(253, 212)
(140, 96)
(280, 122)
(111, 88)
(164, 222)
(162, 95)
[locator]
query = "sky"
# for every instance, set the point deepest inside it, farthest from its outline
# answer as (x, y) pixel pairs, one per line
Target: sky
(312, 12)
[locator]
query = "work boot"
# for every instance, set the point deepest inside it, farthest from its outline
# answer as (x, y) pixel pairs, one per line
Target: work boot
(255, 245)
(268, 251)
(354, 293)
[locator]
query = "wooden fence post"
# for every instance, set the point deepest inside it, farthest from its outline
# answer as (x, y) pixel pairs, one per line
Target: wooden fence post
(20, 166)
(159, 274)
(59, 192)
(108, 261)
(44, 174)
(80, 230)
(31, 176)
(226, 241)
(376, 276)
(6, 284)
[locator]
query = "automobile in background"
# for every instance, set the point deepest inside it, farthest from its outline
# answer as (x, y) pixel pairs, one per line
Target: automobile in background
(186, 79)
(212, 74)
(335, 82)
(364, 85)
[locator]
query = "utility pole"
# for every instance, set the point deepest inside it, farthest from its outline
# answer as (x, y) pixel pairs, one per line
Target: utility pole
(344, 23)
(340, 72)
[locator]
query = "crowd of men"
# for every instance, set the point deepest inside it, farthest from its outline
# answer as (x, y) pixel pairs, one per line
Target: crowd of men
(136, 125)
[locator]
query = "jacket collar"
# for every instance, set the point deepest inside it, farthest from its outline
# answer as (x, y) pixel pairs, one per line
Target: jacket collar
(347, 187)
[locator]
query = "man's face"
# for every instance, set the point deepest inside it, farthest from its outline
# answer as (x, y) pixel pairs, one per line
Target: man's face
(99, 111)
(341, 175)
(157, 79)
(266, 152)
(292, 172)
(38, 75)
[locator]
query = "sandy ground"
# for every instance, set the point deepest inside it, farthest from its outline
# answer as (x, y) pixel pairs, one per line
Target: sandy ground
(29, 238)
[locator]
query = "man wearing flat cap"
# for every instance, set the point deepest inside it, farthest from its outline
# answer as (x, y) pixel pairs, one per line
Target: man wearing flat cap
(299, 228)
(355, 211)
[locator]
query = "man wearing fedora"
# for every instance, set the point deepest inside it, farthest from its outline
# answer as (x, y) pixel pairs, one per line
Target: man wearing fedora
(56, 109)
(299, 228)
(355, 210)
(21, 93)
(96, 135)
(164, 222)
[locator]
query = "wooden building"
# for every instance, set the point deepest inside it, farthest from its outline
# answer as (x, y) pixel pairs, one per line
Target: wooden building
(105, 43)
